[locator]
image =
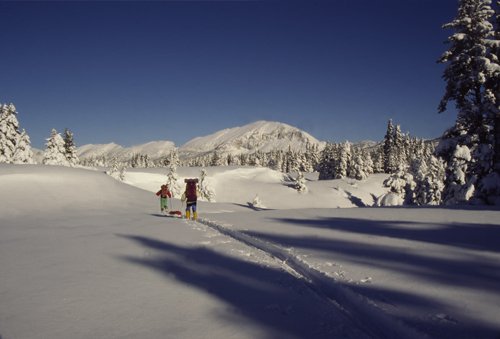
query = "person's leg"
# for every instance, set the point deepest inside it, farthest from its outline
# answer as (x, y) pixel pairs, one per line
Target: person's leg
(188, 210)
(195, 214)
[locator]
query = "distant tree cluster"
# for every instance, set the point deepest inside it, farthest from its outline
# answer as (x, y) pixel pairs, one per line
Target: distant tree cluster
(279, 160)
(15, 145)
(342, 160)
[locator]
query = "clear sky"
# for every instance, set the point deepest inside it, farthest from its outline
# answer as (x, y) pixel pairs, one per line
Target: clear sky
(133, 72)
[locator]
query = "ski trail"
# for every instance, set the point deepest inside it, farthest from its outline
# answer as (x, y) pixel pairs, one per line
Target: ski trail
(357, 308)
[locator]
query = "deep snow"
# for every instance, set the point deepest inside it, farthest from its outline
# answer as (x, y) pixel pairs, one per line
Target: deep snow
(83, 255)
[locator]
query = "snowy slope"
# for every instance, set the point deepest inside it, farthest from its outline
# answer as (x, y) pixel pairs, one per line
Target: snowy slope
(262, 136)
(154, 149)
(83, 255)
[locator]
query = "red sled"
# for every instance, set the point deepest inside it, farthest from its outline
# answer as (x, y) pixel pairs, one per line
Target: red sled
(177, 214)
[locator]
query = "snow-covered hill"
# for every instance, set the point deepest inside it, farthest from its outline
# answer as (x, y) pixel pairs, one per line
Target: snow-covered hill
(264, 136)
(154, 149)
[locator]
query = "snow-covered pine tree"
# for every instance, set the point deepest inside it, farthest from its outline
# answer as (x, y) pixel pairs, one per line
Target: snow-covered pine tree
(368, 162)
(9, 132)
(216, 159)
(357, 168)
(377, 156)
(174, 158)
(23, 153)
(172, 181)
(399, 157)
(312, 157)
(458, 187)
(344, 160)
(206, 192)
(327, 162)
(494, 87)
(70, 148)
(429, 174)
(117, 170)
(55, 153)
(471, 77)
(390, 165)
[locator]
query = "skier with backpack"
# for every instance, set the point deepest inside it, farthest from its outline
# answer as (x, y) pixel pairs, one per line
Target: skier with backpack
(164, 194)
(191, 196)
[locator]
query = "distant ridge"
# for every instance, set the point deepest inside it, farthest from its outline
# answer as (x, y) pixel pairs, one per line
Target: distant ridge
(263, 136)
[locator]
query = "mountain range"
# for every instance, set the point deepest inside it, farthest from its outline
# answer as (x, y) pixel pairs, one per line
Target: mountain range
(263, 136)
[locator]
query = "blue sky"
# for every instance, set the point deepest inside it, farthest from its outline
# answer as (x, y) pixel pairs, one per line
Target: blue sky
(133, 72)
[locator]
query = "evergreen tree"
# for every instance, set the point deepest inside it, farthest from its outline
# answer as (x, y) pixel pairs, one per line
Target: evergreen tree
(117, 170)
(216, 159)
(23, 153)
(9, 132)
(429, 174)
(471, 77)
(70, 148)
(327, 162)
(174, 158)
(344, 160)
(378, 160)
(55, 153)
(172, 181)
(389, 166)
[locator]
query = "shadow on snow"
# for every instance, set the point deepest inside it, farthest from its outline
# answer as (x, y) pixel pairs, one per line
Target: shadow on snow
(269, 297)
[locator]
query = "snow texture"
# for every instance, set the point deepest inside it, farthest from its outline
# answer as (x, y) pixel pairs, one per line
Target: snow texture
(83, 255)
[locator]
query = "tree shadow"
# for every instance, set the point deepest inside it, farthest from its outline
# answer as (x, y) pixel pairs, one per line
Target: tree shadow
(466, 272)
(475, 274)
(270, 297)
(251, 206)
(482, 237)
(282, 303)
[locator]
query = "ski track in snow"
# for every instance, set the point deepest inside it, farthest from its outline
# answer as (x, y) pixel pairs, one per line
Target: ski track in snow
(358, 309)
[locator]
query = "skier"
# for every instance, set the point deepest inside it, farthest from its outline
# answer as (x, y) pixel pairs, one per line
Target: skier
(164, 194)
(191, 196)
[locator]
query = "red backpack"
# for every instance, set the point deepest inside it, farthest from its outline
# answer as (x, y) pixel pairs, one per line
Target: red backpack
(191, 190)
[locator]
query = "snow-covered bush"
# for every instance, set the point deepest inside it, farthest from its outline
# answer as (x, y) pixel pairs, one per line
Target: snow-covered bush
(459, 188)
(173, 181)
(257, 202)
(300, 183)
(117, 170)
(206, 192)
(401, 183)
(389, 199)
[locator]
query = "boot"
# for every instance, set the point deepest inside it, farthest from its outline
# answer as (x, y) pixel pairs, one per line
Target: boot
(188, 214)
(195, 215)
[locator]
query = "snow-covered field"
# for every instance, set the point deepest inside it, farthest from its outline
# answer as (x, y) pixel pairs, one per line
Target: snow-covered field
(85, 256)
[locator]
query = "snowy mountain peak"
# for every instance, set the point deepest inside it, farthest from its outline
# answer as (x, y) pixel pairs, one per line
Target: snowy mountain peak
(263, 136)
